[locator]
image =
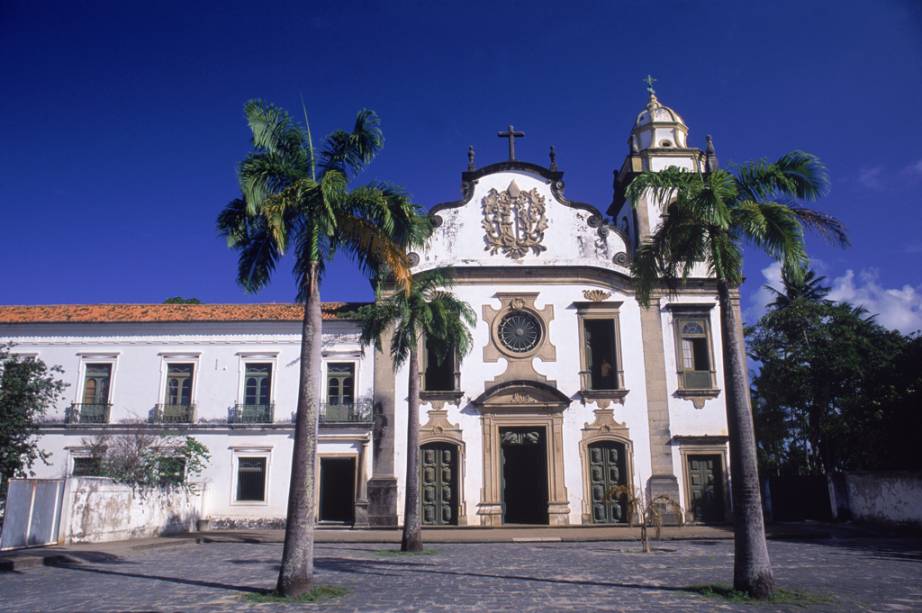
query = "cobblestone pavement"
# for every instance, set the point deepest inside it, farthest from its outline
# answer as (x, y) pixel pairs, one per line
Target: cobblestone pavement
(858, 574)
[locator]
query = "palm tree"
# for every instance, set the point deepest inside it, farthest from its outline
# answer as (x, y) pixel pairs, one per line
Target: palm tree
(708, 217)
(291, 201)
(809, 287)
(428, 312)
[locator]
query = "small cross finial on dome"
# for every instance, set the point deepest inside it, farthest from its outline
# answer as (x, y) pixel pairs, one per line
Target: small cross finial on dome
(650, 81)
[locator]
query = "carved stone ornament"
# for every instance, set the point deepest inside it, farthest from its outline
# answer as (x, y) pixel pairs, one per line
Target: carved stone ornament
(531, 437)
(595, 295)
(413, 258)
(514, 221)
(620, 259)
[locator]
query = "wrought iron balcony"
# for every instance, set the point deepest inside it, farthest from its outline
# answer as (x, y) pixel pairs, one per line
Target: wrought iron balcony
(358, 412)
(174, 413)
(253, 413)
(87, 413)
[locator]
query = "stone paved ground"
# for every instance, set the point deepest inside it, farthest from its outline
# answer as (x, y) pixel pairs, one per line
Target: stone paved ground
(860, 574)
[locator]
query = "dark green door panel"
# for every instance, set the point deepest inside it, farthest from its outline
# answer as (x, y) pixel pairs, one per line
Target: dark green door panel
(607, 471)
(439, 484)
(705, 483)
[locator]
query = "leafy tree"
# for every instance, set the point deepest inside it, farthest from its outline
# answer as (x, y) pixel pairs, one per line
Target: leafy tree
(293, 201)
(808, 287)
(27, 389)
(833, 391)
(145, 460)
(708, 217)
(181, 300)
(428, 313)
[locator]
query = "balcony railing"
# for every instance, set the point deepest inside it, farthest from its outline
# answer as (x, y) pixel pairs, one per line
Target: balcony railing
(253, 414)
(174, 413)
(87, 413)
(359, 412)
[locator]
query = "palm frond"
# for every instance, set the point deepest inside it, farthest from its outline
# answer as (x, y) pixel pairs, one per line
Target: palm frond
(311, 155)
(806, 176)
(272, 128)
(373, 249)
(350, 152)
(825, 225)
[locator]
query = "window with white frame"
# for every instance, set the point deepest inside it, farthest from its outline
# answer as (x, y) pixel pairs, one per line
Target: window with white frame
(693, 345)
(257, 384)
(251, 477)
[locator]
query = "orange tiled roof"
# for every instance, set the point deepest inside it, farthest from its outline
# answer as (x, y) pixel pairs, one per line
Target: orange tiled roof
(109, 313)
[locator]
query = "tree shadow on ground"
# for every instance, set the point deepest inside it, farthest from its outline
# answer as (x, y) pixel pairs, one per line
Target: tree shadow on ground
(180, 580)
(907, 549)
(353, 566)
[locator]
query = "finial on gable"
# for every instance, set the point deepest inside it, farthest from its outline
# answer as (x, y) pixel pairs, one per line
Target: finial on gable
(553, 154)
(470, 157)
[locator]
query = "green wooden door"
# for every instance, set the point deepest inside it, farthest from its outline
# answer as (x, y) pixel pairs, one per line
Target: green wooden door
(705, 477)
(439, 484)
(606, 472)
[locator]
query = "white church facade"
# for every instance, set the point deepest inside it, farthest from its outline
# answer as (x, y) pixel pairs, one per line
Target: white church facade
(571, 390)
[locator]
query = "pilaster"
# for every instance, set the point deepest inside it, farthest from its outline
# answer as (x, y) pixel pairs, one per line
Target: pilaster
(663, 481)
(382, 487)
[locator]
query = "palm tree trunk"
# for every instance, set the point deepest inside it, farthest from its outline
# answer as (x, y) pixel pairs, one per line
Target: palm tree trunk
(412, 532)
(752, 570)
(297, 573)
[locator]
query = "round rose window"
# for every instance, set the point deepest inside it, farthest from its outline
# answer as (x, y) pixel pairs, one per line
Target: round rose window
(519, 331)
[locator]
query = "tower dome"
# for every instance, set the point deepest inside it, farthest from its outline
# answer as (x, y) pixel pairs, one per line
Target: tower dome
(658, 127)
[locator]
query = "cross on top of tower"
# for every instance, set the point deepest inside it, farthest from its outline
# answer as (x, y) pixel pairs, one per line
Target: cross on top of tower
(650, 81)
(511, 134)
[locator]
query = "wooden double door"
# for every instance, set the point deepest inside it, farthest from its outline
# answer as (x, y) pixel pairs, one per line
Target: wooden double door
(706, 488)
(608, 481)
(439, 476)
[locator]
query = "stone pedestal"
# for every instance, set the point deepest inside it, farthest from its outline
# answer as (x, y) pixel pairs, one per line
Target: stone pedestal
(382, 502)
(666, 486)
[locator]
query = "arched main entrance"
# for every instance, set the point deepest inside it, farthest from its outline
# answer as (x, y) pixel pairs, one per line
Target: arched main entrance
(439, 484)
(523, 478)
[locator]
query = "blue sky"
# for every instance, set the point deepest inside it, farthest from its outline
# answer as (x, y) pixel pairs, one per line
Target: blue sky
(122, 122)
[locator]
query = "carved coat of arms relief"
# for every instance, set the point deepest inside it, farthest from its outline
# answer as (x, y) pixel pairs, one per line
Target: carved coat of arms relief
(514, 221)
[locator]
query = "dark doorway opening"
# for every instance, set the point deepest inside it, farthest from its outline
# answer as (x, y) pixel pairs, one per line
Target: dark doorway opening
(524, 456)
(337, 490)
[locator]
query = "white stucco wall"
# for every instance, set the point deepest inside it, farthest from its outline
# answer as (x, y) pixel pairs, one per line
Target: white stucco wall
(569, 240)
(97, 510)
(139, 353)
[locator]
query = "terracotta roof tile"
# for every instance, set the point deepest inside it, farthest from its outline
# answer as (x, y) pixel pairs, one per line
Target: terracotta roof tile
(110, 313)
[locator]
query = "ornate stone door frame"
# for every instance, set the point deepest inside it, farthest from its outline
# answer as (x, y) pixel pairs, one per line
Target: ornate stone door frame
(439, 430)
(604, 428)
(518, 404)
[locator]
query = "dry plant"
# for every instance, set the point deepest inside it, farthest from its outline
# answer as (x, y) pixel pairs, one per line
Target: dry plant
(649, 511)
(147, 459)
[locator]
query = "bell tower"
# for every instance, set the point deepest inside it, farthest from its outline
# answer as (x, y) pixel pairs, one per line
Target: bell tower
(658, 140)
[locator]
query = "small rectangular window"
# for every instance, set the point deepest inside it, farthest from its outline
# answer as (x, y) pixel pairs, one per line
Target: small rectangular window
(694, 359)
(87, 467)
(599, 335)
(440, 369)
(257, 383)
(179, 384)
(340, 384)
(96, 384)
(251, 479)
